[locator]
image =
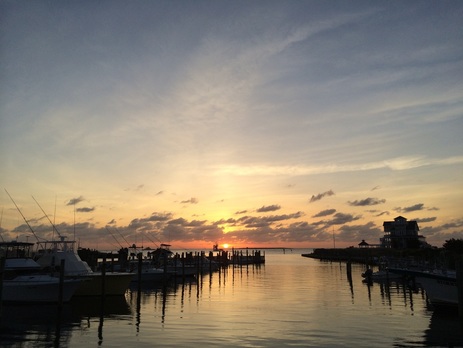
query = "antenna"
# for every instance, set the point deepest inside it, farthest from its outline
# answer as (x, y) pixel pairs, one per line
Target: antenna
(54, 227)
(1, 219)
(107, 229)
(22, 215)
(122, 236)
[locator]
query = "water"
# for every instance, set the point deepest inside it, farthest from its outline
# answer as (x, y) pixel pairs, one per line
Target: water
(291, 301)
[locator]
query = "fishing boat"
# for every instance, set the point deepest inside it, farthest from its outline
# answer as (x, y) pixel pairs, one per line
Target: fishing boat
(165, 259)
(24, 280)
(149, 273)
(382, 275)
(440, 286)
(50, 254)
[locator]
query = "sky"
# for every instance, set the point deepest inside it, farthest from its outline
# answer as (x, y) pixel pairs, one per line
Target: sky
(248, 123)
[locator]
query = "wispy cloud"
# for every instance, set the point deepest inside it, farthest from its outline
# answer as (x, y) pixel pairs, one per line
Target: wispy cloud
(74, 201)
(319, 196)
(415, 207)
(192, 200)
(399, 163)
(325, 213)
(85, 210)
(268, 208)
(366, 202)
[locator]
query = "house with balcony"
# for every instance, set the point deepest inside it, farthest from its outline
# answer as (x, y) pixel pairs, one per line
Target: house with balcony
(402, 234)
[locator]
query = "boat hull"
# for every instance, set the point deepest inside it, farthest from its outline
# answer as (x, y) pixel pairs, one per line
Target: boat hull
(115, 284)
(440, 288)
(38, 289)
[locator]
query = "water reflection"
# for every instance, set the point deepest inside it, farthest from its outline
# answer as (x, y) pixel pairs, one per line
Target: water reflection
(445, 329)
(287, 302)
(47, 325)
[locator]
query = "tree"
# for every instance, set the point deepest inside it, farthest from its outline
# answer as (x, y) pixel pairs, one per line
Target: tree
(454, 245)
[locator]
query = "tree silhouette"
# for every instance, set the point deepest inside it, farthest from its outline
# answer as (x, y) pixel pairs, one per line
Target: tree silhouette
(454, 245)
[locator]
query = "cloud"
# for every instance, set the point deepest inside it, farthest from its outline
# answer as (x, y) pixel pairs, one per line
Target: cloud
(261, 221)
(159, 193)
(366, 202)
(74, 201)
(355, 233)
(424, 220)
(418, 206)
(340, 219)
(138, 188)
(315, 198)
(325, 213)
(241, 212)
(85, 210)
(268, 208)
(396, 164)
(192, 200)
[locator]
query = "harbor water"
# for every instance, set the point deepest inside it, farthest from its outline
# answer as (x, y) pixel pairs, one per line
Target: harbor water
(290, 301)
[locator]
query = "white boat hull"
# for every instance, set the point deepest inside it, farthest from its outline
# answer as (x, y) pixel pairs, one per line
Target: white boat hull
(439, 290)
(38, 288)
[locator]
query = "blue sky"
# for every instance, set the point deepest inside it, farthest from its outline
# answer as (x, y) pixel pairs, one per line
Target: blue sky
(248, 123)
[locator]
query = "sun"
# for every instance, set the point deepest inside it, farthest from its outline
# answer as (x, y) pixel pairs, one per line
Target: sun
(225, 246)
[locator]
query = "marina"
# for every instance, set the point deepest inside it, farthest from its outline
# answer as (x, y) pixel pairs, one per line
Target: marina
(289, 300)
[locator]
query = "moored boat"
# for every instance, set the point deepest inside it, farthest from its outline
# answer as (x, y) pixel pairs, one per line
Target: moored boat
(440, 286)
(51, 253)
(23, 280)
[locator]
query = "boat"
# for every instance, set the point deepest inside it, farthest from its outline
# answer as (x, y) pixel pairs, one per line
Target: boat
(382, 275)
(24, 280)
(163, 258)
(50, 253)
(148, 273)
(440, 286)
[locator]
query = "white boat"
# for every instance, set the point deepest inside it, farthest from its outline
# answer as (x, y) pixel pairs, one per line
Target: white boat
(51, 253)
(149, 273)
(23, 282)
(382, 275)
(164, 259)
(440, 287)
(38, 288)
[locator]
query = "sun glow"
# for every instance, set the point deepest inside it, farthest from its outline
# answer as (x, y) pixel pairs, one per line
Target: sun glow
(225, 246)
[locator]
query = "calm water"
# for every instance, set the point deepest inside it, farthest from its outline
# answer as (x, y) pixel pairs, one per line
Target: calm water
(289, 301)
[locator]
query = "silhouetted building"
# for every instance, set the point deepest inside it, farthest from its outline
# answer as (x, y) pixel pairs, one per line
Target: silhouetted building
(364, 244)
(402, 234)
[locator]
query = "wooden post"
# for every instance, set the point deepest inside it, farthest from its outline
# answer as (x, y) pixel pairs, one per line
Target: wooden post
(2, 270)
(139, 268)
(459, 269)
(349, 269)
(61, 283)
(103, 276)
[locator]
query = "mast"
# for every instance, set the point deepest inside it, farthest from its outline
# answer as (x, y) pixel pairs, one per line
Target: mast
(54, 227)
(22, 215)
(1, 219)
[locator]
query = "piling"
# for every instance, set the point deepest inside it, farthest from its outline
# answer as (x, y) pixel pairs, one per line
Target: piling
(103, 278)
(2, 270)
(349, 269)
(139, 268)
(459, 269)
(61, 283)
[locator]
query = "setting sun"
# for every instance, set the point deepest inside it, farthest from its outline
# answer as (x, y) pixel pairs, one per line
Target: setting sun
(225, 246)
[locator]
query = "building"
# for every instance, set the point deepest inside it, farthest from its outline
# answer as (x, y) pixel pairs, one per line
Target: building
(402, 234)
